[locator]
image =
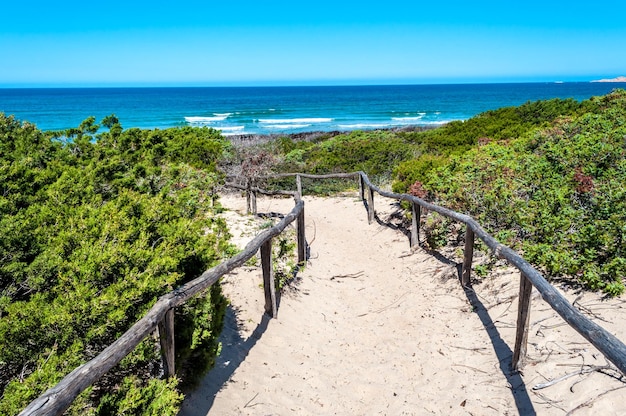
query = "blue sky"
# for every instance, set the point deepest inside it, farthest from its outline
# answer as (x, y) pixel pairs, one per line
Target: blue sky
(200, 43)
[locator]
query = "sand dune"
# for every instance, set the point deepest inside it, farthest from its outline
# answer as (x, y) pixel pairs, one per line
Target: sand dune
(373, 328)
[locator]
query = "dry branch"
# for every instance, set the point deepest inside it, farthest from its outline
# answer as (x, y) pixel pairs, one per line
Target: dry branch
(582, 371)
(348, 276)
(590, 401)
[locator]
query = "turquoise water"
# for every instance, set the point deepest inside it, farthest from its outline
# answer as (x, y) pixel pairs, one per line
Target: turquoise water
(268, 110)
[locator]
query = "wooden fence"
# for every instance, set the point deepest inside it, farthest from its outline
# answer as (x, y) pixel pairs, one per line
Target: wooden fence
(611, 347)
(58, 398)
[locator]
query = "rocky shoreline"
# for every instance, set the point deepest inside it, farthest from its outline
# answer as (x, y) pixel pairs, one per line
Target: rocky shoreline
(616, 79)
(313, 136)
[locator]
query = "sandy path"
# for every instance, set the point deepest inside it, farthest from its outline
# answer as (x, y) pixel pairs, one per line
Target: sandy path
(373, 328)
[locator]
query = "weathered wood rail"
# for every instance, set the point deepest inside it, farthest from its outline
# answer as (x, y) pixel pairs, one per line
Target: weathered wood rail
(58, 398)
(609, 345)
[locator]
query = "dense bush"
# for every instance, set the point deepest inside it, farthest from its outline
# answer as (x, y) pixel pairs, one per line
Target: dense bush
(558, 193)
(410, 156)
(375, 152)
(415, 170)
(434, 147)
(94, 229)
(546, 177)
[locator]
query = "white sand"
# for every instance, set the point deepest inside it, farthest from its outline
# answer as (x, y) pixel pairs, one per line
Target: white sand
(372, 328)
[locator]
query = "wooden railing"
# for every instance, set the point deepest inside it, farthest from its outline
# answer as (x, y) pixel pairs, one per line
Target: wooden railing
(611, 347)
(57, 399)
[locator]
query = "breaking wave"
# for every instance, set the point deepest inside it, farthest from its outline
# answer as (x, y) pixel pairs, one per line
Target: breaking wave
(286, 126)
(409, 119)
(207, 120)
(357, 126)
(294, 120)
(230, 128)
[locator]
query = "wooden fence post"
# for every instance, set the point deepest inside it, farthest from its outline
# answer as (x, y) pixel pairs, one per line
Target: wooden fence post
(370, 205)
(248, 197)
(415, 224)
(301, 238)
(467, 257)
(299, 185)
(361, 187)
(268, 279)
(166, 339)
(253, 202)
(523, 320)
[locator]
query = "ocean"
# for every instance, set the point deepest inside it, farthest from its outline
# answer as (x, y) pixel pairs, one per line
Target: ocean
(275, 110)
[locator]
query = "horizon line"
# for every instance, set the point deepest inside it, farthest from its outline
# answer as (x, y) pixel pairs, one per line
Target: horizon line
(275, 85)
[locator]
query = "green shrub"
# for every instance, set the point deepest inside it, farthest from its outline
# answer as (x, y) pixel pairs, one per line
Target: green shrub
(136, 397)
(95, 229)
(419, 169)
(557, 193)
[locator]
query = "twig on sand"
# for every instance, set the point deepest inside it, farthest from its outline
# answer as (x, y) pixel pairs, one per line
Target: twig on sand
(471, 368)
(587, 310)
(590, 401)
(541, 320)
(348, 276)
(554, 381)
(251, 400)
(508, 299)
(477, 349)
(314, 233)
(310, 257)
(384, 308)
(576, 373)
(549, 401)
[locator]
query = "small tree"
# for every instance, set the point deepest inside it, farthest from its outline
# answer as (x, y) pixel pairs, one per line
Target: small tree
(250, 165)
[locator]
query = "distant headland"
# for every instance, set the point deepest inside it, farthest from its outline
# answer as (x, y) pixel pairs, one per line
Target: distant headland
(616, 79)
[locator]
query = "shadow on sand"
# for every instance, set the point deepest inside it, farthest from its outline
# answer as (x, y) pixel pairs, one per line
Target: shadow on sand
(503, 351)
(235, 349)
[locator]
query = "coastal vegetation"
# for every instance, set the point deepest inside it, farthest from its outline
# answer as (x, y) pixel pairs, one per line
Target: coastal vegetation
(97, 222)
(557, 193)
(94, 229)
(546, 177)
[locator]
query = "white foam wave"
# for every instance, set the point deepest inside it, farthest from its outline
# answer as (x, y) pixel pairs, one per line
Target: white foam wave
(294, 120)
(223, 114)
(365, 126)
(231, 128)
(409, 119)
(206, 120)
(436, 123)
(286, 126)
